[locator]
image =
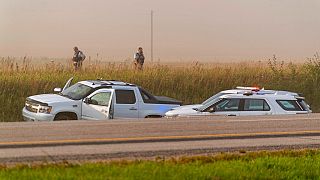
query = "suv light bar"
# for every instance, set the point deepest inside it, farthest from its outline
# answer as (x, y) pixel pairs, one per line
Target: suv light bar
(248, 88)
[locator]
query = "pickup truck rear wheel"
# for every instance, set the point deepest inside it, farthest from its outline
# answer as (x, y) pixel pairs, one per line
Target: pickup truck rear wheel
(153, 116)
(65, 116)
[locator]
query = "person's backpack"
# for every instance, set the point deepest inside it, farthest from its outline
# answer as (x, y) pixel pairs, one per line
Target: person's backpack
(83, 57)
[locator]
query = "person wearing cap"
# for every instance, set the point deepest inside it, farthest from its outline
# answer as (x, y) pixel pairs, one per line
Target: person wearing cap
(78, 58)
(139, 59)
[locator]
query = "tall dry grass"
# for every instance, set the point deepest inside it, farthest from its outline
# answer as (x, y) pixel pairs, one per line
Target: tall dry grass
(191, 83)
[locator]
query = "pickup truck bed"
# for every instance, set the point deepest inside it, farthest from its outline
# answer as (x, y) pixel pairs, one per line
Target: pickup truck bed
(167, 100)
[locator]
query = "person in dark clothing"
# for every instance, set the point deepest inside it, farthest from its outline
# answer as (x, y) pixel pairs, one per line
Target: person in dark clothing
(78, 58)
(139, 59)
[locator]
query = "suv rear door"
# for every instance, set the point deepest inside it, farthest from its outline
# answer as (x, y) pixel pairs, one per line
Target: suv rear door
(255, 107)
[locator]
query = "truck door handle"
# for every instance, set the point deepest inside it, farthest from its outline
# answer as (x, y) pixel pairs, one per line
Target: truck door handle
(133, 109)
(231, 115)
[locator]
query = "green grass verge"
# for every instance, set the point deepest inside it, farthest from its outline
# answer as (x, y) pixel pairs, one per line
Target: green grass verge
(255, 165)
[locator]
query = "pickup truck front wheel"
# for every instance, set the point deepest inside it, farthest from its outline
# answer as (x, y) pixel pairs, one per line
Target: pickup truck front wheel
(65, 116)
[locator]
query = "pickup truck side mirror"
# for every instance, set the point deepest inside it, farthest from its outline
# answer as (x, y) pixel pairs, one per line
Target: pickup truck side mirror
(91, 101)
(57, 89)
(87, 100)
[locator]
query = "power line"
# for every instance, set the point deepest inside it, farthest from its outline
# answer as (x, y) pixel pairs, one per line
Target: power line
(151, 35)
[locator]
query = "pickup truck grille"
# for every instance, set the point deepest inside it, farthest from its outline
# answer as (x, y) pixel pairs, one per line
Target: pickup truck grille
(31, 109)
(30, 106)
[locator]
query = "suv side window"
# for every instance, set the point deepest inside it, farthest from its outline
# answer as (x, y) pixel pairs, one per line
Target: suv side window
(228, 105)
(100, 99)
(289, 105)
(256, 105)
(125, 96)
(303, 105)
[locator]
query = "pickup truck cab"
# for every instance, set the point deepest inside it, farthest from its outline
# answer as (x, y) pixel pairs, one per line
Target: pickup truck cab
(97, 100)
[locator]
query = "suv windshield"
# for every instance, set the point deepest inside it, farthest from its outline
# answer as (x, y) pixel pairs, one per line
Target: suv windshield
(212, 98)
(209, 103)
(77, 91)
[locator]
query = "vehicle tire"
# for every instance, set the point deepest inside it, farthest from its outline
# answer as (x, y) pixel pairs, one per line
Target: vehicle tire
(65, 116)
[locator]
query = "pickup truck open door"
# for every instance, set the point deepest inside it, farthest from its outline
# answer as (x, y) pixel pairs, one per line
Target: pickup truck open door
(68, 83)
(98, 105)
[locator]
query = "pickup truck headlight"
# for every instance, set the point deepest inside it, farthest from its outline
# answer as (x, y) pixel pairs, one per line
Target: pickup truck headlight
(45, 109)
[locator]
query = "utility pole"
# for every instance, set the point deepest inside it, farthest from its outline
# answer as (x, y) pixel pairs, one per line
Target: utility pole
(151, 35)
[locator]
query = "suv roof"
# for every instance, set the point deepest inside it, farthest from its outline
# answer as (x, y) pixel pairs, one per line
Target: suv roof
(254, 90)
(247, 90)
(256, 96)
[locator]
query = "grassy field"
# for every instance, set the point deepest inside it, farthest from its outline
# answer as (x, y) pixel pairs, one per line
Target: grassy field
(254, 165)
(191, 83)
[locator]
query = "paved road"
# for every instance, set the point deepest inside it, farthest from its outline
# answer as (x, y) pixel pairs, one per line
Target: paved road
(90, 140)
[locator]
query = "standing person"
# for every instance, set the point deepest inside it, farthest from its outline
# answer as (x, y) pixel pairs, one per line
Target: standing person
(78, 58)
(139, 59)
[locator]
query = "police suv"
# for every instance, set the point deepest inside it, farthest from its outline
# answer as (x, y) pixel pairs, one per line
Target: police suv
(96, 100)
(245, 101)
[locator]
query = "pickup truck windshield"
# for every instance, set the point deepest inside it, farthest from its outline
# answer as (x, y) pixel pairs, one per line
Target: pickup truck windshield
(77, 91)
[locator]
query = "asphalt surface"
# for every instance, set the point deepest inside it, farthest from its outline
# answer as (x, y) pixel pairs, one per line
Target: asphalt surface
(147, 138)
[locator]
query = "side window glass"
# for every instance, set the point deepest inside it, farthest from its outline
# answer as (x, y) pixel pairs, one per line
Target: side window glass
(289, 105)
(146, 98)
(101, 99)
(125, 97)
(266, 106)
(228, 105)
(256, 105)
(303, 105)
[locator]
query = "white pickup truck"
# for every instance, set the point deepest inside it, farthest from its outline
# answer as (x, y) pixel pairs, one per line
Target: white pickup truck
(96, 100)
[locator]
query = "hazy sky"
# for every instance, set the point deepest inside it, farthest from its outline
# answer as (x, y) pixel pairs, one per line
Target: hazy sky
(183, 29)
